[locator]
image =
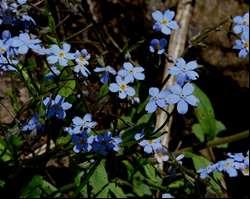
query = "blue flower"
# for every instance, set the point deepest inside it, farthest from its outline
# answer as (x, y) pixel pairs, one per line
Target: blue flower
(164, 21)
(167, 195)
(4, 47)
(241, 23)
(33, 124)
(24, 42)
(121, 86)
(53, 73)
(242, 45)
(58, 55)
(182, 97)
(228, 166)
(21, 2)
(81, 124)
(129, 73)
(105, 143)
(158, 46)
(56, 107)
(7, 64)
(184, 71)
(239, 157)
(149, 146)
(82, 61)
(158, 98)
(106, 71)
(82, 142)
(161, 155)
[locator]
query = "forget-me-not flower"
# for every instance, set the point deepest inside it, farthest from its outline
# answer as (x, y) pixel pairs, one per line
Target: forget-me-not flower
(106, 71)
(150, 146)
(60, 55)
(164, 21)
(242, 45)
(121, 86)
(182, 96)
(241, 23)
(129, 73)
(184, 71)
(158, 46)
(82, 61)
(24, 42)
(158, 98)
(32, 124)
(82, 124)
(105, 143)
(82, 142)
(57, 107)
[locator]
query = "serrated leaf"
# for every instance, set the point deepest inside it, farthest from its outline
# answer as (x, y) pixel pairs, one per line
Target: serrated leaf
(67, 88)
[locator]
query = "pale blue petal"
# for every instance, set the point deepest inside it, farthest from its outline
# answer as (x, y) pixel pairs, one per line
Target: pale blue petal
(130, 91)
(188, 89)
(176, 89)
(192, 75)
(128, 66)
(173, 25)
(139, 76)
(122, 94)
(165, 30)
(153, 91)
(52, 59)
(148, 149)
(169, 15)
(173, 99)
(157, 15)
(151, 107)
(182, 107)
(66, 106)
(114, 87)
(191, 99)
(77, 120)
(192, 65)
(66, 47)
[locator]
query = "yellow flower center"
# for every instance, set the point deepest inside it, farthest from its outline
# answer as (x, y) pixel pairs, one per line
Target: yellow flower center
(61, 54)
(246, 44)
(2, 50)
(81, 59)
(123, 87)
(164, 21)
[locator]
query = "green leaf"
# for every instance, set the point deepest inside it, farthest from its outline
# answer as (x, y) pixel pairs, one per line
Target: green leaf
(37, 188)
(99, 181)
(219, 127)
(2, 184)
(144, 119)
(197, 130)
(208, 125)
(104, 90)
(116, 190)
(151, 173)
(176, 184)
(5, 154)
(63, 140)
(68, 88)
(52, 24)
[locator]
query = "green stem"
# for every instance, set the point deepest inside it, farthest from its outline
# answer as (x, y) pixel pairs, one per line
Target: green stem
(220, 141)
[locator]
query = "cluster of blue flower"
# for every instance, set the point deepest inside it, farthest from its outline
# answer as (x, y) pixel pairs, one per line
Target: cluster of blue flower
(181, 92)
(241, 27)
(15, 13)
(85, 140)
(235, 162)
